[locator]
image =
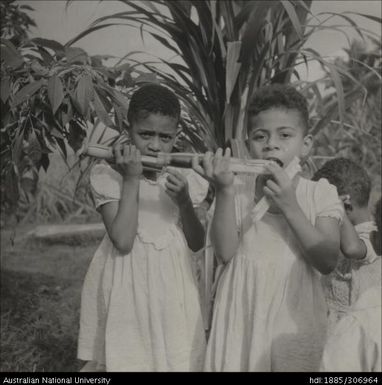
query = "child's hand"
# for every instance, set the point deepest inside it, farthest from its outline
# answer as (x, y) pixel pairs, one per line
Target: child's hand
(177, 187)
(346, 200)
(279, 188)
(215, 168)
(128, 160)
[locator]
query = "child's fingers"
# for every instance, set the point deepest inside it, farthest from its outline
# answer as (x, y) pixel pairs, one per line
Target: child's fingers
(216, 159)
(220, 162)
(273, 167)
(227, 153)
(117, 153)
(175, 179)
(175, 174)
(138, 155)
(225, 163)
(171, 193)
(277, 172)
(207, 164)
(128, 151)
(196, 165)
(133, 153)
(268, 192)
(219, 153)
(173, 187)
(274, 187)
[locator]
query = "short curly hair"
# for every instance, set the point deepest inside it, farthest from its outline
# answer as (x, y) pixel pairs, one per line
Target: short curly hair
(280, 96)
(153, 99)
(348, 177)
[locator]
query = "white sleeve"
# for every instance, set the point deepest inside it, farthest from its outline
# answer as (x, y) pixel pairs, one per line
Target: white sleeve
(105, 184)
(327, 202)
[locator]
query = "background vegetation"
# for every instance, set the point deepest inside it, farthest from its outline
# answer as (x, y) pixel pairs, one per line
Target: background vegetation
(54, 96)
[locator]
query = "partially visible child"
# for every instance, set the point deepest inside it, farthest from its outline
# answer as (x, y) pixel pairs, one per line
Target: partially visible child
(355, 343)
(270, 312)
(359, 265)
(140, 307)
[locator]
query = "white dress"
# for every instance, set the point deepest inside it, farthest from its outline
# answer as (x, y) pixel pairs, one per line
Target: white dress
(355, 344)
(351, 277)
(270, 312)
(141, 311)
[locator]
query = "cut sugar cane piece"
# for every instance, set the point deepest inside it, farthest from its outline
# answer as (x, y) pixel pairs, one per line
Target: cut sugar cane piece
(183, 160)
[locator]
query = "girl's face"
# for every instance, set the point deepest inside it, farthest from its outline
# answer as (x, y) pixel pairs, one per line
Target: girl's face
(277, 133)
(154, 134)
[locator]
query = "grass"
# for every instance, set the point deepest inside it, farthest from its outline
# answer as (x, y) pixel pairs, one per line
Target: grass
(40, 302)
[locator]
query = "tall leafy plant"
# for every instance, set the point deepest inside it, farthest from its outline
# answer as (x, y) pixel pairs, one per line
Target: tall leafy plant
(224, 50)
(51, 96)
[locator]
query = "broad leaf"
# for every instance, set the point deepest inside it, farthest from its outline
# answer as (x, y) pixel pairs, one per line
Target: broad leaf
(34, 148)
(10, 55)
(55, 92)
(76, 135)
(76, 55)
(84, 92)
(5, 88)
(101, 111)
(54, 132)
(121, 99)
(45, 161)
(26, 92)
(52, 44)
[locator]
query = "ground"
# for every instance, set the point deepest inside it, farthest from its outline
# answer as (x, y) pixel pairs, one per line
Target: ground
(40, 294)
(40, 299)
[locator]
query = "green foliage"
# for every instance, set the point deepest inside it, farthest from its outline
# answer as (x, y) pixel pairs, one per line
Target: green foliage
(59, 196)
(50, 95)
(226, 48)
(15, 22)
(223, 51)
(358, 134)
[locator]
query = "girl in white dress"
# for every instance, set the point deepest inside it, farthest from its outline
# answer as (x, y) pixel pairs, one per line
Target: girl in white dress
(355, 343)
(270, 312)
(140, 307)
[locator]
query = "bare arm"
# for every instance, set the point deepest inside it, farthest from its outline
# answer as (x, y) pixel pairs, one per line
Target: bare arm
(320, 243)
(192, 228)
(224, 234)
(121, 218)
(351, 245)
